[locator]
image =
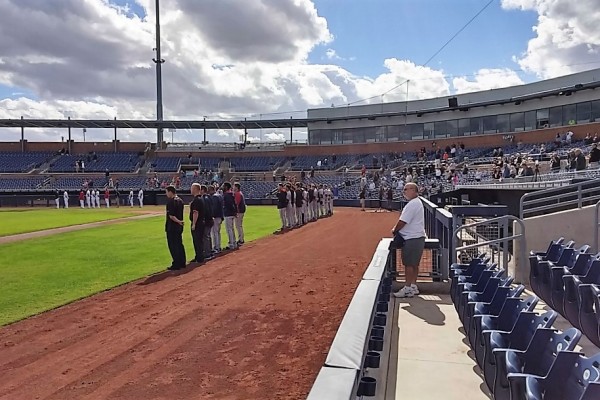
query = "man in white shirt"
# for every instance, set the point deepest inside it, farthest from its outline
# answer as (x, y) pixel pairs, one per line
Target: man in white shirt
(141, 197)
(97, 196)
(87, 198)
(131, 198)
(411, 227)
(66, 199)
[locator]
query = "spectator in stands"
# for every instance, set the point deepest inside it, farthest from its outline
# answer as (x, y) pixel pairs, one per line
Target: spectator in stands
(580, 163)
(594, 154)
(312, 172)
(174, 229)
(477, 176)
(596, 139)
(82, 166)
(390, 198)
(569, 137)
(588, 139)
(411, 228)
(555, 163)
(229, 211)
(362, 195)
(496, 174)
(240, 203)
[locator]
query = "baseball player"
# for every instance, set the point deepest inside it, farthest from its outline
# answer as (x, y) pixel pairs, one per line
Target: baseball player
(312, 203)
(282, 200)
(66, 199)
(328, 195)
(299, 202)
(131, 198)
(57, 198)
(230, 211)
(87, 198)
(304, 205)
(320, 197)
(141, 197)
(107, 197)
(81, 199)
(217, 212)
(97, 196)
(289, 207)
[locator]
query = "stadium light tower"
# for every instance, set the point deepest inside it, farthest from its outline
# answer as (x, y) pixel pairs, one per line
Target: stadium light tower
(158, 61)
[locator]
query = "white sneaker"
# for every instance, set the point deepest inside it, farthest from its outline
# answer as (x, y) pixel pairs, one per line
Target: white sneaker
(406, 291)
(414, 289)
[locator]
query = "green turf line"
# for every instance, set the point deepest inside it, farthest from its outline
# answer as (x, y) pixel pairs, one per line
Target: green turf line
(31, 220)
(40, 274)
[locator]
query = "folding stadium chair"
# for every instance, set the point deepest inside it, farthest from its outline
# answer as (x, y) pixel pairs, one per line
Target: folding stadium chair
(552, 247)
(469, 274)
(492, 308)
(459, 267)
(518, 338)
(475, 282)
(580, 267)
(479, 287)
(553, 254)
(589, 317)
(572, 296)
(504, 321)
(537, 359)
(570, 377)
(466, 310)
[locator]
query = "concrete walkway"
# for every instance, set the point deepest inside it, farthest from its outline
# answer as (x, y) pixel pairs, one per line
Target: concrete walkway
(433, 360)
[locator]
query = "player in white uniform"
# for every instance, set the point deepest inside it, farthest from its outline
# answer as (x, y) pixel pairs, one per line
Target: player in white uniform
(305, 205)
(97, 196)
(57, 198)
(328, 200)
(320, 202)
(289, 214)
(131, 198)
(66, 199)
(87, 198)
(141, 197)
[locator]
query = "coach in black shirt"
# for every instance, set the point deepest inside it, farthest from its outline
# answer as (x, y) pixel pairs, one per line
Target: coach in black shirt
(174, 228)
(197, 212)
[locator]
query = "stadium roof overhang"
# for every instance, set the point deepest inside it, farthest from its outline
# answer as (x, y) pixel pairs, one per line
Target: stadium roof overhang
(149, 124)
(272, 123)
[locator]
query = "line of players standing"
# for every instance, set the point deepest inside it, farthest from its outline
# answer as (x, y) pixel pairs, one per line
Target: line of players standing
(299, 205)
(91, 198)
(210, 207)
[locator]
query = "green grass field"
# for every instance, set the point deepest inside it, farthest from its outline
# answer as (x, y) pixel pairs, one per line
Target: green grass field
(31, 220)
(44, 273)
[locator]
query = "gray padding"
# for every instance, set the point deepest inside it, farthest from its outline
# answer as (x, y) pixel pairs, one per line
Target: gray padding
(376, 268)
(333, 384)
(351, 338)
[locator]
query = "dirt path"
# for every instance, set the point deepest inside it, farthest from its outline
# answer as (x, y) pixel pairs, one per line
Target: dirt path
(72, 228)
(253, 324)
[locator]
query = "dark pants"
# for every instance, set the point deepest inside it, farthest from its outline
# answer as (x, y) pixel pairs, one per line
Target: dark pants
(175, 243)
(207, 240)
(198, 240)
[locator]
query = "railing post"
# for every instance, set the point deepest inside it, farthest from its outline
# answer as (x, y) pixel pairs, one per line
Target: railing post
(596, 226)
(579, 202)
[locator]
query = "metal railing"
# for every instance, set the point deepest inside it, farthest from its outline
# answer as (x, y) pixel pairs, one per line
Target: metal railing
(495, 237)
(517, 185)
(438, 225)
(596, 227)
(568, 197)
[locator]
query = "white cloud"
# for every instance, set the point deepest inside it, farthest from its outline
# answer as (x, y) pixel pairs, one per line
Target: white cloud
(567, 36)
(275, 137)
(220, 62)
(486, 79)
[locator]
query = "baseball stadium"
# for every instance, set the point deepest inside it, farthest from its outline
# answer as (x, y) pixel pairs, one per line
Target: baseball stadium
(443, 247)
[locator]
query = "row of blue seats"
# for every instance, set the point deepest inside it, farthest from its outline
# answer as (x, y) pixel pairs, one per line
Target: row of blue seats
(568, 280)
(17, 162)
(115, 162)
(522, 357)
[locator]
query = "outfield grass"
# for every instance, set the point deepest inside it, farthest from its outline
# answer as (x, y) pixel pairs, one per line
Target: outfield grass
(44, 273)
(30, 220)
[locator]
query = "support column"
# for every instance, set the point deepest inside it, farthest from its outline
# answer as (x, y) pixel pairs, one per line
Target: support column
(69, 130)
(291, 132)
(116, 150)
(22, 136)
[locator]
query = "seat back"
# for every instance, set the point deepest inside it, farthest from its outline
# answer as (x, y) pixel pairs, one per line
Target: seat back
(582, 264)
(526, 326)
(545, 346)
(593, 273)
(569, 256)
(511, 309)
(491, 288)
(570, 375)
(485, 277)
(556, 250)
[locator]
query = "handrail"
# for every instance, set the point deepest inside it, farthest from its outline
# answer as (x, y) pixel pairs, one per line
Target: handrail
(558, 194)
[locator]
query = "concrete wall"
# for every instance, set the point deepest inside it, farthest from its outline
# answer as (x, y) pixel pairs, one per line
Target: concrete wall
(577, 225)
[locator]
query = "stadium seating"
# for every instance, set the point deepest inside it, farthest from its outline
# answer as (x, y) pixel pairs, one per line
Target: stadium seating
(10, 184)
(114, 162)
(13, 162)
(520, 354)
(166, 164)
(255, 164)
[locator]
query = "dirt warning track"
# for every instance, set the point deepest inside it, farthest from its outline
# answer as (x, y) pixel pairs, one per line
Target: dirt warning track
(254, 324)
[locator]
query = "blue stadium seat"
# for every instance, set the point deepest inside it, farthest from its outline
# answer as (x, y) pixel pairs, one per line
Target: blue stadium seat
(553, 254)
(493, 308)
(505, 321)
(468, 299)
(476, 282)
(580, 267)
(517, 338)
(569, 378)
(536, 359)
(20, 162)
(572, 297)
(589, 315)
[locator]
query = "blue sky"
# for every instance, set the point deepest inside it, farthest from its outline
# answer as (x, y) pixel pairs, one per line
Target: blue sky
(371, 31)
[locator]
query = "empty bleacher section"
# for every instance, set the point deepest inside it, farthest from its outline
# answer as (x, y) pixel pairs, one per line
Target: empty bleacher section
(97, 162)
(166, 164)
(15, 184)
(11, 162)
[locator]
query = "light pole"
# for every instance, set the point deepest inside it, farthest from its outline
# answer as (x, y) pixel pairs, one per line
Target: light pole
(158, 61)
(84, 131)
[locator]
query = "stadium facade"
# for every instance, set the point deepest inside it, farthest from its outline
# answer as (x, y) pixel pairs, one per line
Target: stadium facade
(559, 102)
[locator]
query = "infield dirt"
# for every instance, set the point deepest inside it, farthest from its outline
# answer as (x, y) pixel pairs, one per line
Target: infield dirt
(254, 324)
